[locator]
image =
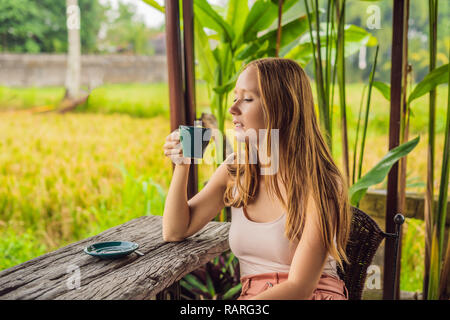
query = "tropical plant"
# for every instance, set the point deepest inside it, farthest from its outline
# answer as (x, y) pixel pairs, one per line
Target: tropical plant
(435, 220)
(438, 271)
(366, 118)
(328, 44)
(219, 280)
(379, 171)
(431, 267)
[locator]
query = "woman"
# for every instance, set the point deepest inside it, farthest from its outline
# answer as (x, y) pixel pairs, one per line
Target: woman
(288, 229)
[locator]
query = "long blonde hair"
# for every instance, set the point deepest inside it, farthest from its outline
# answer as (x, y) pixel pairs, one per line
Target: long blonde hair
(306, 164)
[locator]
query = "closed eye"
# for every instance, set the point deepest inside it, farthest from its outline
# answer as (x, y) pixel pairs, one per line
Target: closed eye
(247, 100)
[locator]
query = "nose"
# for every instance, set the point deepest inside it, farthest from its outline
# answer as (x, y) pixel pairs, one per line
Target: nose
(234, 109)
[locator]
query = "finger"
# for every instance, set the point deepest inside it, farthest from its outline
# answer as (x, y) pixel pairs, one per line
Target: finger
(169, 152)
(172, 137)
(173, 145)
(175, 135)
(176, 140)
(170, 144)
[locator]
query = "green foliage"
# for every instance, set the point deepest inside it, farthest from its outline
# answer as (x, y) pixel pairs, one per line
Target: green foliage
(379, 172)
(20, 26)
(219, 279)
(418, 43)
(365, 125)
(384, 89)
(40, 25)
(355, 38)
(19, 247)
(155, 5)
(434, 78)
(127, 32)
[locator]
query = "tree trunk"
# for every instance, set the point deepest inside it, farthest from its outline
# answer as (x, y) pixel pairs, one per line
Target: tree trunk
(73, 73)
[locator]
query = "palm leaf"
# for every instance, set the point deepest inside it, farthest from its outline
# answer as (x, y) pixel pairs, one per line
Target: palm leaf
(380, 170)
(431, 81)
(155, 5)
(207, 63)
(212, 20)
(236, 14)
(384, 89)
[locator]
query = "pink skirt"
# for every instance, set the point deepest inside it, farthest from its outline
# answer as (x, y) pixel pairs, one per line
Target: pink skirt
(328, 288)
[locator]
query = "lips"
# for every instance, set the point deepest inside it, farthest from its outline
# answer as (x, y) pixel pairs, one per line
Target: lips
(238, 125)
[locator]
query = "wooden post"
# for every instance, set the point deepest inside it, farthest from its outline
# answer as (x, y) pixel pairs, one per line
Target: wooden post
(189, 83)
(280, 15)
(182, 100)
(174, 65)
(73, 73)
(400, 21)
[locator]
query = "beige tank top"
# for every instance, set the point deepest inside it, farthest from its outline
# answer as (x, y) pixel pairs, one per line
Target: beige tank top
(262, 247)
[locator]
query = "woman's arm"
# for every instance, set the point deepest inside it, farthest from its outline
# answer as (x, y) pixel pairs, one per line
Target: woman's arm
(307, 264)
(176, 214)
(183, 218)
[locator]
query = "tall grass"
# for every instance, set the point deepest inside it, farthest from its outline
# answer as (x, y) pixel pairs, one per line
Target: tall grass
(65, 177)
(413, 251)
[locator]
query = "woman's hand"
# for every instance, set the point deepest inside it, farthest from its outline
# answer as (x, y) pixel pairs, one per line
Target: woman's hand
(173, 149)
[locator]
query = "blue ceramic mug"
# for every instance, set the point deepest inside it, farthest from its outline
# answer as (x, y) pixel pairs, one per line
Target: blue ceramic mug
(194, 140)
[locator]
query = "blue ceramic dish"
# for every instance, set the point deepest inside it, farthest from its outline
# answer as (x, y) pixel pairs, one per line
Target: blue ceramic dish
(111, 250)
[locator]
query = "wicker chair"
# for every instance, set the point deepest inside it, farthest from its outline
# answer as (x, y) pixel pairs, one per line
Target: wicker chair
(365, 238)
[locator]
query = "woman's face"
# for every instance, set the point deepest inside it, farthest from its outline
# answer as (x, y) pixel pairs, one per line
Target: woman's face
(247, 110)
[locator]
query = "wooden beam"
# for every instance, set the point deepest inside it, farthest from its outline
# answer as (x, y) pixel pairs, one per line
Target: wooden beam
(189, 83)
(174, 65)
(70, 274)
(181, 76)
(399, 42)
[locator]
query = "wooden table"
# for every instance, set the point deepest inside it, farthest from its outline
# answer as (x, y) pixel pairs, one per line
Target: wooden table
(69, 273)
